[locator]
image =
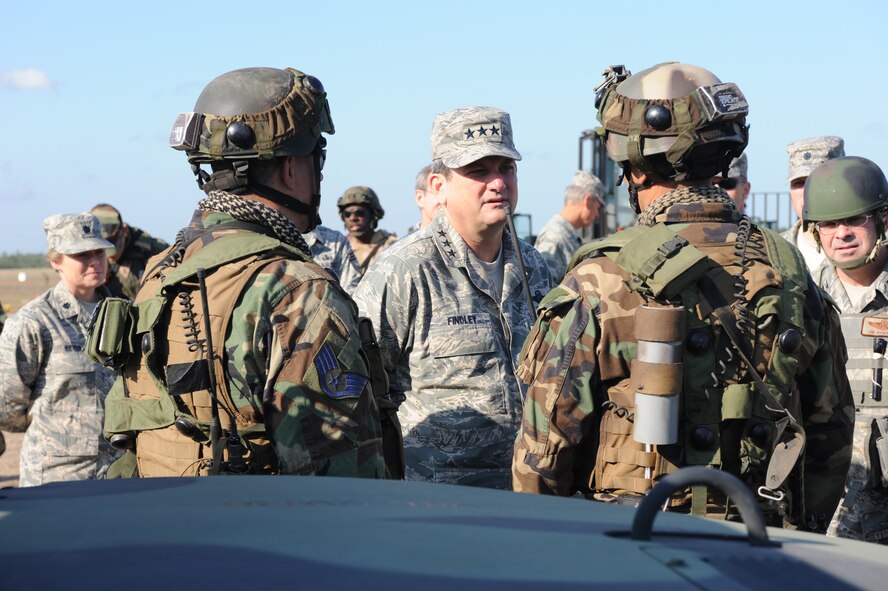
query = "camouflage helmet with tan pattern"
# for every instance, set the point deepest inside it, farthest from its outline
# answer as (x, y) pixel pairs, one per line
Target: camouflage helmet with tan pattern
(672, 121)
(360, 195)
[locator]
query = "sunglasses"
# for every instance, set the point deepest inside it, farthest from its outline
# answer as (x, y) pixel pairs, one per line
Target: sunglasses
(355, 213)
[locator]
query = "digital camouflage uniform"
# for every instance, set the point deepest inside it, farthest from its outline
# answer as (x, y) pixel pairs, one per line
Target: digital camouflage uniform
(53, 392)
(557, 242)
(367, 252)
(449, 349)
(863, 514)
(577, 428)
(803, 157)
(813, 257)
(330, 249)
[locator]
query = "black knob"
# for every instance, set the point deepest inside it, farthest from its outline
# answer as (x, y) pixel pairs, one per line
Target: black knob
(702, 438)
(658, 117)
(313, 84)
(790, 341)
(241, 135)
(760, 434)
(698, 341)
(146, 343)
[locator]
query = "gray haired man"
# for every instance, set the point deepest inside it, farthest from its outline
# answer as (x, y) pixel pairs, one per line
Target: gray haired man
(451, 310)
(561, 237)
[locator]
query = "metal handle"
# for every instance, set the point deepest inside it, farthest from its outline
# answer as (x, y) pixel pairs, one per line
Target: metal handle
(729, 484)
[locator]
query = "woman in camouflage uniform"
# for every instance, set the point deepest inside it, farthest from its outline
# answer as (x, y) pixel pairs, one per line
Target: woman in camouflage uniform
(48, 386)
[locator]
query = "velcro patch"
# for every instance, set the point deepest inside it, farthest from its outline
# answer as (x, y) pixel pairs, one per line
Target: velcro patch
(462, 320)
(334, 382)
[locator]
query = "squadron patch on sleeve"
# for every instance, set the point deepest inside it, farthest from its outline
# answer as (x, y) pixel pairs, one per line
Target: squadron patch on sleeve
(334, 382)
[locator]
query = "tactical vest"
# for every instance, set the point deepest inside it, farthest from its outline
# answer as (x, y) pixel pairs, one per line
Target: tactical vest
(732, 416)
(862, 362)
(159, 344)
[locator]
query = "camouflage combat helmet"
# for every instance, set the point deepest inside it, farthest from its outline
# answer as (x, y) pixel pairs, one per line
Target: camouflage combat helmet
(255, 114)
(361, 196)
(844, 187)
(672, 121)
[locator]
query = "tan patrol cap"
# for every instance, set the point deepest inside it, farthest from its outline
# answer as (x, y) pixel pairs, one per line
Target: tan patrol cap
(462, 136)
(70, 233)
(807, 154)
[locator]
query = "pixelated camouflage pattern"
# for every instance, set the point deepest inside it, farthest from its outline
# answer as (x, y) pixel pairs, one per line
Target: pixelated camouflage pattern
(128, 266)
(577, 428)
(589, 183)
(69, 233)
(814, 258)
(53, 392)
(367, 252)
(289, 313)
(462, 136)
(450, 349)
(807, 154)
(863, 514)
(331, 250)
(557, 242)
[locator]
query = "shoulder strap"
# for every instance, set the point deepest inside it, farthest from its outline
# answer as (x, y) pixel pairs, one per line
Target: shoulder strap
(226, 249)
(611, 243)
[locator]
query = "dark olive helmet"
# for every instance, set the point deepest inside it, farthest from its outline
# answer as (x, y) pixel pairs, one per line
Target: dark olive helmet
(672, 121)
(361, 196)
(844, 187)
(255, 114)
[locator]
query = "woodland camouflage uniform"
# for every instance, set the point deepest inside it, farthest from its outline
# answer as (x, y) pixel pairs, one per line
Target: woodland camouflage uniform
(580, 360)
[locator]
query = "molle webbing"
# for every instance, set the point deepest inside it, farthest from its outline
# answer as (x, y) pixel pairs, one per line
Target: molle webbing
(168, 310)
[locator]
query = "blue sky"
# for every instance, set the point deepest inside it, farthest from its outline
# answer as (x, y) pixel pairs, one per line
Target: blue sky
(90, 89)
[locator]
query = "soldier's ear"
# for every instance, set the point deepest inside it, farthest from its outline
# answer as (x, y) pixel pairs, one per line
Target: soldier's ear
(436, 185)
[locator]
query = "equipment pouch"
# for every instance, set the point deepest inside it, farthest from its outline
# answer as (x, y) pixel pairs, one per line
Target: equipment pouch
(110, 332)
(877, 446)
(392, 438)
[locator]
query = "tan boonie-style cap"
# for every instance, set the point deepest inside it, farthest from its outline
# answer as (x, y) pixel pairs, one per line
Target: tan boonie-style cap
(462, 136)
(589, 183)
(110, 219)
(70, 233)
(806, 155)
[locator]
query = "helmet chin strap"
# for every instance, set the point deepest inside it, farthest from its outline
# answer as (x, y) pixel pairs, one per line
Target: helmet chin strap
(237, 180)
(634, 187)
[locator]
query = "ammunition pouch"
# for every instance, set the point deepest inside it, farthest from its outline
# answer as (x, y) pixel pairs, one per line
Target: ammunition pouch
(110, 338)
(877, 452)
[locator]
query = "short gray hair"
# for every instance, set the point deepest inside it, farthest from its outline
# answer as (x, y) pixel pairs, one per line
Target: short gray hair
(422, 177)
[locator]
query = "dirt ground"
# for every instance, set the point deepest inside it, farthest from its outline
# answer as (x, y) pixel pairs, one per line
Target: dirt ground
(9, 461)
(15, 293)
